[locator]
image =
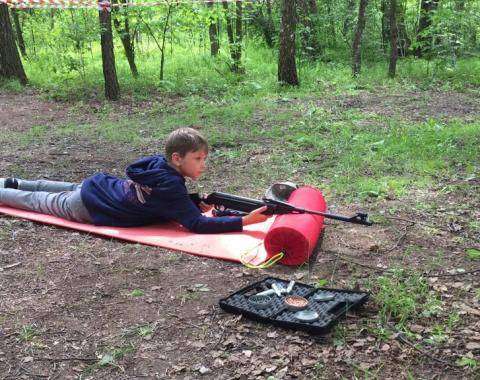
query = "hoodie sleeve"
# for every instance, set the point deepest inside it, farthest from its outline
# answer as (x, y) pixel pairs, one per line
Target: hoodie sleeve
(184, 211)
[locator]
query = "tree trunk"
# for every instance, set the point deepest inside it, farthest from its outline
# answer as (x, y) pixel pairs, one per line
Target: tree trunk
(127, 40)
(235, 38)
(313, 6)
(112, 88)
(19, 32)
(385, 25)
(393, 39)
(231, 39)
(310, 44)
(238, 38)
(287, 69)
(424, 22)
(265, 23)
(213, 33)
(404, 41)
(460, 12)
(348, 20)
(164, 37)
(52, 17)
(10, 62)
(270, 26)
(32, 33)
(331, 23)
(357, 41)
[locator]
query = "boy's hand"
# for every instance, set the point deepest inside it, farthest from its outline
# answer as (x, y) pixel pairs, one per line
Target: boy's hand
(255, 216)
(204, 207)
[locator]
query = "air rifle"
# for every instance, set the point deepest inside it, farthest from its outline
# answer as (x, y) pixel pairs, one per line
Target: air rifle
(223, 201)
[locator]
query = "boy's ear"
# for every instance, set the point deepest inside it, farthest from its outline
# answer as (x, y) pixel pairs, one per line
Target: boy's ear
(176, 157)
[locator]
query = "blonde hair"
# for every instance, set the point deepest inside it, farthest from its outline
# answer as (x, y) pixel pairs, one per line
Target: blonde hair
(184, 140)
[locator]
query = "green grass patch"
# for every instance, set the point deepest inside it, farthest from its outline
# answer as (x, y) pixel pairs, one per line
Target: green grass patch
(468, 362)
(136, 293)
(299, 134)
(28, 333)
(404, 295)
(473, 254)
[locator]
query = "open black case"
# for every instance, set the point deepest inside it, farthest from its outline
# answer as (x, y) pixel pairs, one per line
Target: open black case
(278, 314)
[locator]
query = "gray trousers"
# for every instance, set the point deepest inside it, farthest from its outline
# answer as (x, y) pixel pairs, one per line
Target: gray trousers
(61, 199)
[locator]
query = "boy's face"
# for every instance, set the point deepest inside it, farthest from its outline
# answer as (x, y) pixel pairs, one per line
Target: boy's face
(191, 165)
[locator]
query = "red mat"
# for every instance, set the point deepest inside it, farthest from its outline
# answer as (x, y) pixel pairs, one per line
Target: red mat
(235, 246)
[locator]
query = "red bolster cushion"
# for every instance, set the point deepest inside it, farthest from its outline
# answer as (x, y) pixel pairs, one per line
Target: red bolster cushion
(296, 234)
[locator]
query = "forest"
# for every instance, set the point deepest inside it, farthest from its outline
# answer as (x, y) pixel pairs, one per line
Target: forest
(207, 46)
(374, 103)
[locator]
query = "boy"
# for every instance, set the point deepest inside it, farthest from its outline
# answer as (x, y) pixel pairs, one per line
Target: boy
(154, 193)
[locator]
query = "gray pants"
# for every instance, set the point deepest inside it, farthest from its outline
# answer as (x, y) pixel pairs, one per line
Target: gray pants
(61, 199)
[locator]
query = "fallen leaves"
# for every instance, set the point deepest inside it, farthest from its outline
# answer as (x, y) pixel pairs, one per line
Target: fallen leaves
(466, 309)
(204, 370)
(198, 288)
(471, 346)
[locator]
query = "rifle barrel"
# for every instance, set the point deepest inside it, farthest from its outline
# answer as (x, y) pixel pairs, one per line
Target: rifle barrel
(247, 205)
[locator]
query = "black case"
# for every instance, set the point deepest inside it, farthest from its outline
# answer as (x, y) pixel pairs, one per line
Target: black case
(277, 313)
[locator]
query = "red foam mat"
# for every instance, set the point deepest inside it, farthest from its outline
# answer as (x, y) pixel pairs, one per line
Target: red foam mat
(234, 246)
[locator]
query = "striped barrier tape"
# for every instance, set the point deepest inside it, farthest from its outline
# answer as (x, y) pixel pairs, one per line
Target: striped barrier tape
(104, 4)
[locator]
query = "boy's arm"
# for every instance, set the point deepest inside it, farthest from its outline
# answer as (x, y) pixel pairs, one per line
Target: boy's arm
(184, 211)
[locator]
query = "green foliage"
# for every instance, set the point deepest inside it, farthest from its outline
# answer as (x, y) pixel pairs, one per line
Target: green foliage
(10, 85)
(64, 57)
(28, 332)
(137, 293)
(321, 282)
(403, 295)
(467, 362)
(377, 161)
(111, 357)
(473, 254)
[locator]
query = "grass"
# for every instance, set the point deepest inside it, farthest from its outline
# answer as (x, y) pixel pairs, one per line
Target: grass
(404, 296)
(356, 155)
(28, 333)
(136, 293)
(261, 132)
(298, 133)
(64, 73)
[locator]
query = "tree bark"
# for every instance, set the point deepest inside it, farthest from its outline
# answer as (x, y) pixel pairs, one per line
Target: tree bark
(385, 25)
(357, 41)
(331, 23)
(213, 34)
(164, 37)
(112, 88)
(287, 69)
(270, 26)
(393, 39)
(313, 6)
(403, 41)
(265, 23)
(424, 22)
(10, 62)
(235, 36)
(19, 32)
(348, 20)
(310, 44)
(127, 40)
(238, 36)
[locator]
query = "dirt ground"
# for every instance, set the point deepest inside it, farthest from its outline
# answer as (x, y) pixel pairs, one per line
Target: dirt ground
(76, 306)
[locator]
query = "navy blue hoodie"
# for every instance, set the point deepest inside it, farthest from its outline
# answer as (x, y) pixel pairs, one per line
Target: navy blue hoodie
(155, 193)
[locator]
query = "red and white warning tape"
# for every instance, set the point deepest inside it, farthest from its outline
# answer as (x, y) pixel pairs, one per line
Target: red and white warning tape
(103, 4)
